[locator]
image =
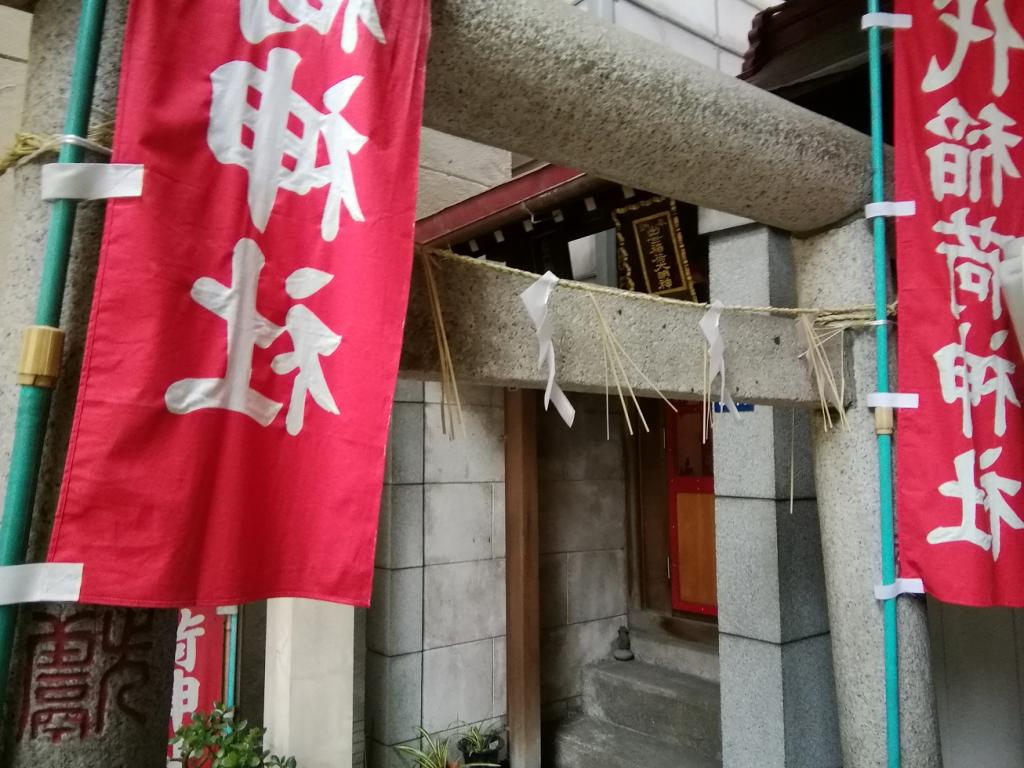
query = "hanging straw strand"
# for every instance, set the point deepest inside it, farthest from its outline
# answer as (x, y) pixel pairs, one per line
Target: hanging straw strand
(31, 146)
(449, 384)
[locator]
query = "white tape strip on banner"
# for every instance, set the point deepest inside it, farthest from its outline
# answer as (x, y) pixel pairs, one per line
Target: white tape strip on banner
(716, 352)
(886, 20)
(893, 400)
(227, 610)
(535, 299)
(899, 587)
(91, 181)
(40, 583)
(898, 208)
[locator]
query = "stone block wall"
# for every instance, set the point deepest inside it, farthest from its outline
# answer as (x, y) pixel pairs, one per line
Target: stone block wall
(435, 634)
(583, 578)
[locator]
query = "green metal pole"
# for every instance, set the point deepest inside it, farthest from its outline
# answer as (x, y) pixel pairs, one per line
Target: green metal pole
(231, 683)
(892, 693)
(34, 402)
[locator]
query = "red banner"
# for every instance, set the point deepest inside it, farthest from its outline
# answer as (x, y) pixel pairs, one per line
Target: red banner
(198, 668)
(960, 455)
(232, 417)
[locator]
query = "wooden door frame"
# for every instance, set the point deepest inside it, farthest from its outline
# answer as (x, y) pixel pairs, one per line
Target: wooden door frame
(522, 578)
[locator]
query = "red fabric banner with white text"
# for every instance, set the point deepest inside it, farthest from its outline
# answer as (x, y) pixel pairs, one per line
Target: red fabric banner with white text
(959, 122)
(198, 670)
(228, 443)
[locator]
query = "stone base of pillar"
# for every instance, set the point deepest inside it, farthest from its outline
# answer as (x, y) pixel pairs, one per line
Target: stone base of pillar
(93, 687)
(779, 703)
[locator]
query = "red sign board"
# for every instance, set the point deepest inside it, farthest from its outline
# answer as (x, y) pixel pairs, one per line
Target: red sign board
(229, 438)
(959, 121)
(198, 667)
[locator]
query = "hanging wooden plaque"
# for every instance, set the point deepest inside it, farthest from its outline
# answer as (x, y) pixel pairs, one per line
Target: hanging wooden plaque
(652, 255)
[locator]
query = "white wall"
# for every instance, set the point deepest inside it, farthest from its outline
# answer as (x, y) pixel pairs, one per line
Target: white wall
(714, 32)
(978, 658)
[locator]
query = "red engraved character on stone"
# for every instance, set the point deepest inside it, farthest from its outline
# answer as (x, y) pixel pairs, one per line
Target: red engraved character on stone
(55, 699)
(126, 653)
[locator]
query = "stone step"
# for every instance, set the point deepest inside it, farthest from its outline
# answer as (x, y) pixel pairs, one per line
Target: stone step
(660, 703)
(697, 659)
(589, 743)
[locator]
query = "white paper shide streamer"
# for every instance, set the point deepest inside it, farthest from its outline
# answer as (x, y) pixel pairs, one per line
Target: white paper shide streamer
(716, 352)
(535, 299)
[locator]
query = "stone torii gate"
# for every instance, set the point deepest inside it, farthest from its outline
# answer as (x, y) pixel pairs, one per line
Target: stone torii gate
(539, 78)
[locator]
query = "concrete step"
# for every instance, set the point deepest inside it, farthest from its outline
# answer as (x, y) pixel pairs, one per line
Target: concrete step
(663, 650)
(659, 703)
(589, 743)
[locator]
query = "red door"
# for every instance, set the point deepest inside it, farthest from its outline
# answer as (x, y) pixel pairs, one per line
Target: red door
(691, 512)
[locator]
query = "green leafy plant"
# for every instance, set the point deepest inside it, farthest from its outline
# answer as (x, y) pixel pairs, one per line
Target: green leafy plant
(215, 740)
(433, 753)
(476, 740)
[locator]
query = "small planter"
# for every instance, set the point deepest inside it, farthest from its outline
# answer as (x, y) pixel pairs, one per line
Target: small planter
(489, 756)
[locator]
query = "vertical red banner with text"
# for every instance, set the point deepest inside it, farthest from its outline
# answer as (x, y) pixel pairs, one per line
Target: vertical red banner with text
(198, 667)
(959, 118)
(232, 417)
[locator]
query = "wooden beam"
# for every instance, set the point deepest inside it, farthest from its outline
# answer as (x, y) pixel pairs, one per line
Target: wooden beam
(522, 578)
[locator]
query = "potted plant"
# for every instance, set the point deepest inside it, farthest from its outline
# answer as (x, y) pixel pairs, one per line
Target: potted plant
(434, 753)
(481, 747)
(217, 741)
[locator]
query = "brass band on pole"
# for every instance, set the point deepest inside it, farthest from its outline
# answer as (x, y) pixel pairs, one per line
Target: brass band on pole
(883, 420)
(41, 350)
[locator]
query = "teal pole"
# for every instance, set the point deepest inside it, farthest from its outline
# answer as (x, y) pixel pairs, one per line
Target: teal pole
(892, 697)
(34, 402)
(231, 683)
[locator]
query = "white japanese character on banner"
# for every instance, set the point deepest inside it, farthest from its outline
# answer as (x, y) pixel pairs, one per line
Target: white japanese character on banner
(956, 168)
(973, 260)
(247, 329)
(259, 21)
(184, 697)
(991, 496)
(259, 123)
(190, 629)
(965, 377)
(1003, 35)
(311, 340)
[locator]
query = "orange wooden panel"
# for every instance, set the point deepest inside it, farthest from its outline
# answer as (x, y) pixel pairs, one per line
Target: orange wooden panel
(695, 532)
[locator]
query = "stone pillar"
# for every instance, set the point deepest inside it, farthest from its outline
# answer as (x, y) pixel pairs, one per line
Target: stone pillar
(834, 269)
(308, 694)
(113, 665)
(778, 693)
